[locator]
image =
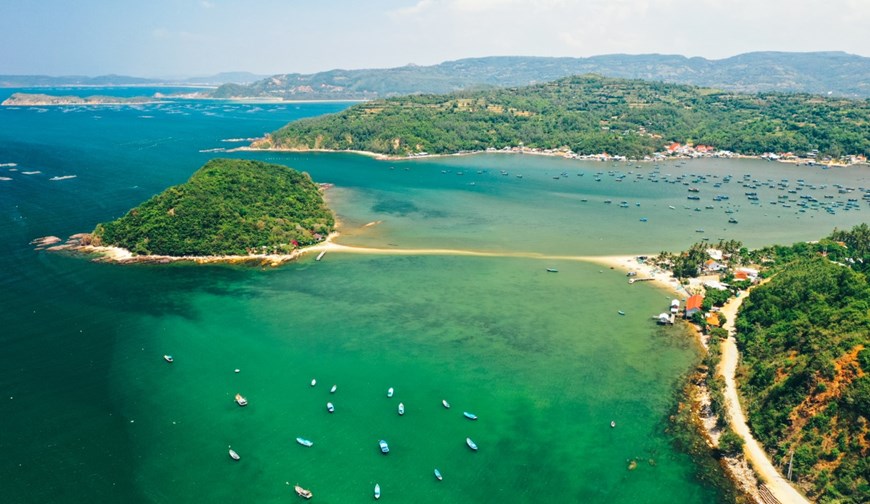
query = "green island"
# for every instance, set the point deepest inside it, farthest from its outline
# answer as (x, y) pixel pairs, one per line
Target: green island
(228, 207)
(589, 115)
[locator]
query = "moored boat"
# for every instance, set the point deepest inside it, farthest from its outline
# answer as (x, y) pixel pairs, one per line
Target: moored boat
(234, 455)
(390, 392)
(301, 492)
(401, 408)
(471, 444)
(377, 491)
(438, 474)
(445, 403)
(313, 382)
(552, 270)
(332, 390)
(168, 358)
(304, 442)
(621, 312)
(241, 400)
(385, 448)
(612, 424)
(330, 407)
(320, 256)
(470, 416)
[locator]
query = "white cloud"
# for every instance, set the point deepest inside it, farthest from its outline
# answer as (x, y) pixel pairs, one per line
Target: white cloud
(419, 7)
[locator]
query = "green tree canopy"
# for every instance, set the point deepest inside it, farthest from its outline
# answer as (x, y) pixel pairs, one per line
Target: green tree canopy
(228, 207)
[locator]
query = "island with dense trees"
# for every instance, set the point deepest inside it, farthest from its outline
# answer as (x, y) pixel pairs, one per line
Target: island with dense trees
(589, 115)
(229, 207)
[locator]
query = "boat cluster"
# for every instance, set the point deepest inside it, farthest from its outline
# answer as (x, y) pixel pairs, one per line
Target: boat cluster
(798, 195)
(383, 446)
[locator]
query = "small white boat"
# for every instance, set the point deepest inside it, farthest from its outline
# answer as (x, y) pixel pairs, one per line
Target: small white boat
(305, 442)
(234, 455)
(330, 407)
(332, 390)
(470, 416)
(383, 446)
(621, 312)
(377, 491)
(241, 400)
(612, 424)
(301, 492)
(471, 444)
(390, 392)
(552, 270)
(168, 358)
(401, 408)
(445, 403)
(320, 256)
(438, 474)
(313, 382)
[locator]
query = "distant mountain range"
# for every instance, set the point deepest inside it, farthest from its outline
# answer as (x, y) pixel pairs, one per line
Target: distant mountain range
(124, 80)
(835, 73)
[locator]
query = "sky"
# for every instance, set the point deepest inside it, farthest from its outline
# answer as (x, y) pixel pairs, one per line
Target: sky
(182, 38)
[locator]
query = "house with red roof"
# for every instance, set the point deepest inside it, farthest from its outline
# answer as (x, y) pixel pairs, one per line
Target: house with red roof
(693, 304)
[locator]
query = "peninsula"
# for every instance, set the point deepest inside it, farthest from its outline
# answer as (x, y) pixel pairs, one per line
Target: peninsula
(230, 208)
(589, 115)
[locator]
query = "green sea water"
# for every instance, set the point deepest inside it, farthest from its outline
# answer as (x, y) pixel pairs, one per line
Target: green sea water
(90, 412)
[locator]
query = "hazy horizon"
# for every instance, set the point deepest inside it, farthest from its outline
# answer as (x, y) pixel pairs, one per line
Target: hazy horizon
(189, 38)
(290, 71)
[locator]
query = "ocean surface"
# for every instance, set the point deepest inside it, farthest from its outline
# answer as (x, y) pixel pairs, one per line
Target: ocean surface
(90, 411)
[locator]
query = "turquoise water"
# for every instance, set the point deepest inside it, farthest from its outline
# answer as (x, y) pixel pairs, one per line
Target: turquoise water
(90, 412)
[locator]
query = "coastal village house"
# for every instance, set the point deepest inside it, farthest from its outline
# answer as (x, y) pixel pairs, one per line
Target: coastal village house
(693, 304)
(712, 319)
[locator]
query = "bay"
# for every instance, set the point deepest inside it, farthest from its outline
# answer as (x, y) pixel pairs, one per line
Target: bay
(91, 412)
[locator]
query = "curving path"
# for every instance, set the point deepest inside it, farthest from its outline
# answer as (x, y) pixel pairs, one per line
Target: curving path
(775, 482)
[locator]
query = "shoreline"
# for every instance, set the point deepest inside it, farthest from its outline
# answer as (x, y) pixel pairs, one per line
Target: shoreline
(591, 157)
(119, 255)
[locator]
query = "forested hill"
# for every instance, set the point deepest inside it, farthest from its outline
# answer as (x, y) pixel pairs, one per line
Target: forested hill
(838, 73)
(589, 115)
(804, 339)
(228, 207)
